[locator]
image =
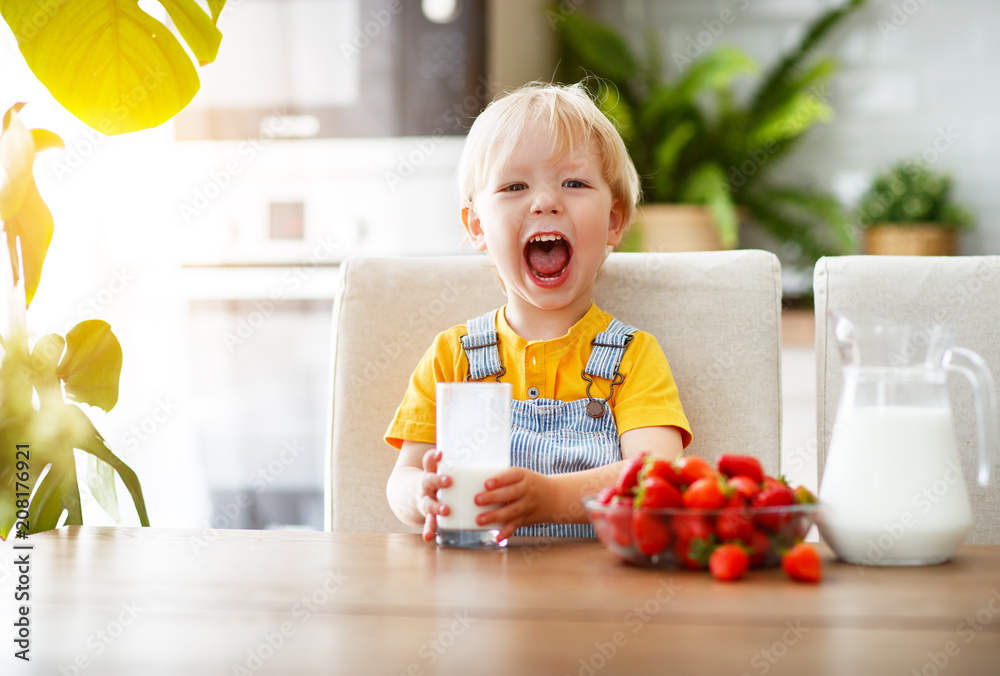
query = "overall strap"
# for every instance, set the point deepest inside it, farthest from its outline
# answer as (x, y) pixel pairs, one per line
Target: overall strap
(609, 348)
(481, 347)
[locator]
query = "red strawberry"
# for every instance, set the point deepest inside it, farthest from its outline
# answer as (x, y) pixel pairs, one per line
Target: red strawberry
(744, 486)
(691, 468)
(803, 495)
(769, 481)
(655, 492)
(741, 465)
(620, 520)
(759, 545)
(693, 539)
(604, 497)
(661, 468)
(652, 532)
(802, 563)
(774, 494)
(735, 524)
(628, 477)
(728, 563)
(706, 493)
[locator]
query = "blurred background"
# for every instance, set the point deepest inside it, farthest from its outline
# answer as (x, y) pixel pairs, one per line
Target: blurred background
(329, 128)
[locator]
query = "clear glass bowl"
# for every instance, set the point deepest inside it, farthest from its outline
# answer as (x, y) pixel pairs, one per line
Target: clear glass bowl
(683, 538)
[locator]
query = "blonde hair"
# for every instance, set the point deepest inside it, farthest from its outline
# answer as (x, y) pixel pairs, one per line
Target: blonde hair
(571, 115)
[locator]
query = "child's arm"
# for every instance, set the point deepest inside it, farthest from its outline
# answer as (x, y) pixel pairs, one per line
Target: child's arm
(538, 498)
(413, 485)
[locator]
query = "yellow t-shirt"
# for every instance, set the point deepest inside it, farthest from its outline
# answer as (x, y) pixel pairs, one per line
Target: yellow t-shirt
(647, 397)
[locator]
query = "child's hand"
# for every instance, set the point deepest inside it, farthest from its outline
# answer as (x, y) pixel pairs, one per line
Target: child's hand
(428, 503)
(523, 496)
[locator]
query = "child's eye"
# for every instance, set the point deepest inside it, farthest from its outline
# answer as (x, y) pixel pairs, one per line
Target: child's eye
(514, 186)
(573, 183)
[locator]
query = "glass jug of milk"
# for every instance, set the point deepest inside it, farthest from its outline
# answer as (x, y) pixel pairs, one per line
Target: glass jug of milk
(893, 491)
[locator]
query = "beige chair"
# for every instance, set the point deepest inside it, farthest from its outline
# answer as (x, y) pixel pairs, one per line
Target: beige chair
(716, 316)
(958, 290)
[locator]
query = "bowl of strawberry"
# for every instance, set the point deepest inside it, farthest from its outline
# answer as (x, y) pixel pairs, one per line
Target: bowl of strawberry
(689, 514)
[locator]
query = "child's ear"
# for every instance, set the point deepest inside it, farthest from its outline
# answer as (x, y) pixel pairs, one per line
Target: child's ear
(616, 223)
(474, 227)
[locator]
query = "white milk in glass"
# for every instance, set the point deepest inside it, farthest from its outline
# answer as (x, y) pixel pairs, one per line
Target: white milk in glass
(473, 435)
(892, 489)
(460, 497)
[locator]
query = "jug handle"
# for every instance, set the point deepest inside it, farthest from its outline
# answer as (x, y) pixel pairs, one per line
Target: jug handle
(974, 367)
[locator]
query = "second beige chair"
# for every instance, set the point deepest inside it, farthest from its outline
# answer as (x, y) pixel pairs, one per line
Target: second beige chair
(716, 315)
(957, 290)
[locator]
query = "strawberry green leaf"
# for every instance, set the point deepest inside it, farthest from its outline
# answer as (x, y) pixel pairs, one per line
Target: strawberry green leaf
(92, 364)
(701, 550)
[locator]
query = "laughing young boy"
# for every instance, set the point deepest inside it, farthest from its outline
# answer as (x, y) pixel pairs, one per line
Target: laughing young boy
(548, 190)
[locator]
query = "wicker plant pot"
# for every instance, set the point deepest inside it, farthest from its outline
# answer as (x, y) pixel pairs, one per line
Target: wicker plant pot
(910, 239)
(677, 227)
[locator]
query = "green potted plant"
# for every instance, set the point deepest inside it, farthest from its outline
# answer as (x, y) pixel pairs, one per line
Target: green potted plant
(119, 70)
(908, 211)
(694, 143)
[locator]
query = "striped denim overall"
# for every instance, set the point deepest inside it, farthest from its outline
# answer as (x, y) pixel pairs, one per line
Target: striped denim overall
(550, 436)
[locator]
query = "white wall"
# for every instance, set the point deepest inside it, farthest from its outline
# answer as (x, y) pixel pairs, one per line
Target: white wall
(916, 76)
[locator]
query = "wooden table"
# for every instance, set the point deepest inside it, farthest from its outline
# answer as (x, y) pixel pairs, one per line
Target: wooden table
(135, 601)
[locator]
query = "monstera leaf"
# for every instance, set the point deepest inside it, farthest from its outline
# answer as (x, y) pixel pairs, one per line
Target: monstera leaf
(47, 430)
(23, 214)
(110, 63)
(118, 69)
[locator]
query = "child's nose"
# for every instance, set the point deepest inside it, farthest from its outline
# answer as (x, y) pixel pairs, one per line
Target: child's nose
(545, 203)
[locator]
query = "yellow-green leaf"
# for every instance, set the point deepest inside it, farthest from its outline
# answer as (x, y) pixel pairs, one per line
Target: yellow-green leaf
(55, 493)
(791, 119)
(101, 482)
(215, 6)
(107, 61)
(45, 139)
(92, 364)
(45, 356)
(16, 108)
(87, 439)
(614, 107)
(197, 28)
(17, 157)
(33, 225)
(708, 185)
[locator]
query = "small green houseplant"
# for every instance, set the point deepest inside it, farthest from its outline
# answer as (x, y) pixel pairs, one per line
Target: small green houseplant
(908, 210)
(119, 70)
(692, 141)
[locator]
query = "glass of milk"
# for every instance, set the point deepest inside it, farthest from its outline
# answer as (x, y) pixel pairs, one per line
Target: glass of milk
(473, 435)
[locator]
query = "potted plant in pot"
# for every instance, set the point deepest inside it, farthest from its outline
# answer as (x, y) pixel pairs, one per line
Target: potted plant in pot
(699, 149)
(119, 70)
(908, 211)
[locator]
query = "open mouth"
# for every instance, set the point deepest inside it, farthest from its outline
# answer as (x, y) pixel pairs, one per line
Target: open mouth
(547, 256)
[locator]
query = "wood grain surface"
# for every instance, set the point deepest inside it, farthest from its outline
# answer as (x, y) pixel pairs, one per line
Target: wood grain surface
(115, 601)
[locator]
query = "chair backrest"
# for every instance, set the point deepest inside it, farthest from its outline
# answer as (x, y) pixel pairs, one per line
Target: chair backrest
(716, 315)
(957, 290)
